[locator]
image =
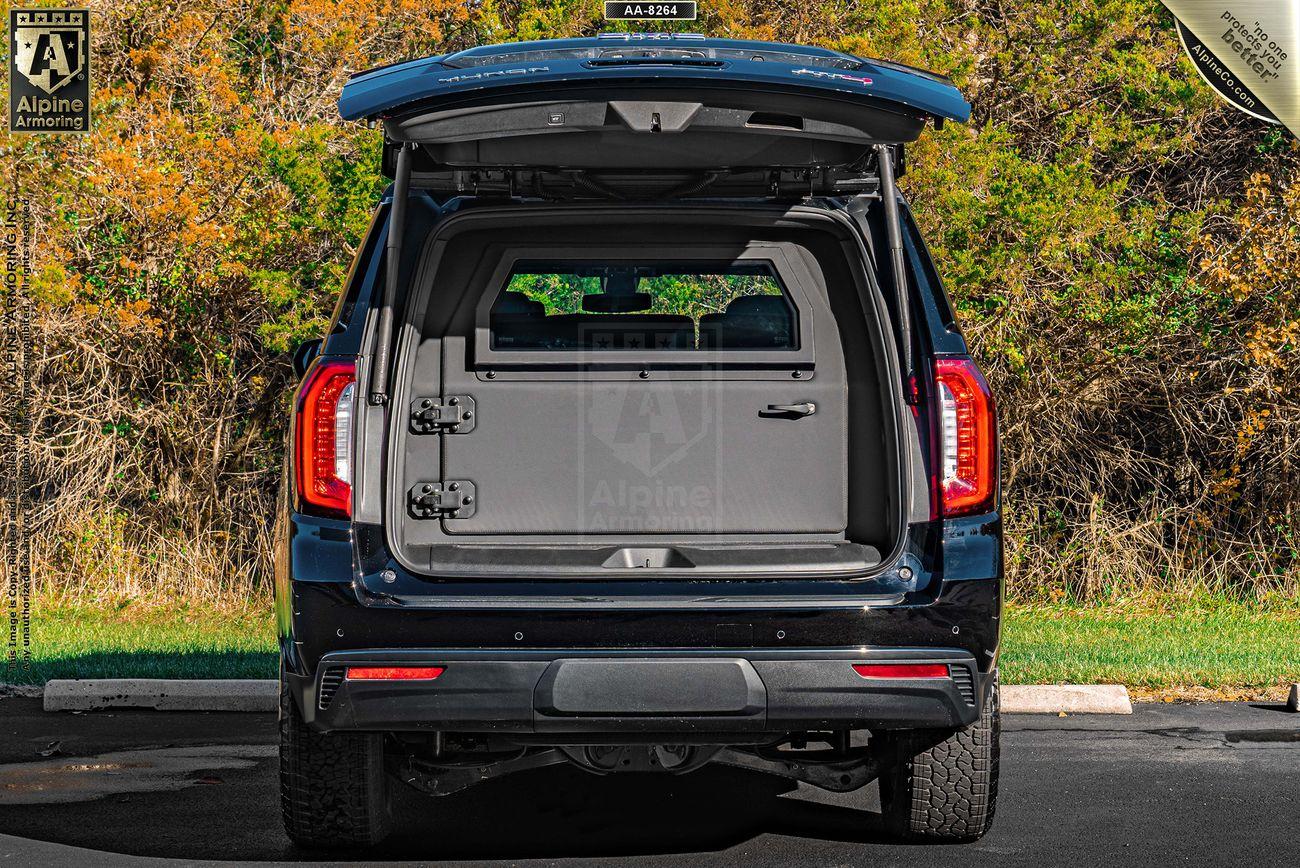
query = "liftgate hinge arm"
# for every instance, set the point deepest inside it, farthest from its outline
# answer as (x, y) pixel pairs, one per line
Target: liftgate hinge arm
(889, 195)
(392, 261)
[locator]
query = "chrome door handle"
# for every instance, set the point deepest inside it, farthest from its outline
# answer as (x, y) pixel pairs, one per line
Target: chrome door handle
(806, 408)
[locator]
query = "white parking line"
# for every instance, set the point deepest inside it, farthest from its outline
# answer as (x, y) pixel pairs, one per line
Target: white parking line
(163, 694)
(1067, 698)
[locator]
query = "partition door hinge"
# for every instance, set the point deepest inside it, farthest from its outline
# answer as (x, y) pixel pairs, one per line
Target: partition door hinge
(450, 414)
(450, 499)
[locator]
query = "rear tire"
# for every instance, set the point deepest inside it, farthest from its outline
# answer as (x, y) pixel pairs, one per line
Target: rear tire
(333, 792)
(943, 785)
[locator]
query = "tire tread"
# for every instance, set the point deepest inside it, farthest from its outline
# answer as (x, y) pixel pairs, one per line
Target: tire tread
(945, 788)
(332, 785)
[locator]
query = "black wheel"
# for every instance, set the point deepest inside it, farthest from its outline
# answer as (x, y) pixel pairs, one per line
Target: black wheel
(333, 791)
(943, 785)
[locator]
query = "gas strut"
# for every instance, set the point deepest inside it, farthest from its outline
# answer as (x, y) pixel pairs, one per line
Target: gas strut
(393, 258)
(889, 193)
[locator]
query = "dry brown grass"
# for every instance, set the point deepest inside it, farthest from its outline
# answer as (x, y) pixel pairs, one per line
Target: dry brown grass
(147, 487)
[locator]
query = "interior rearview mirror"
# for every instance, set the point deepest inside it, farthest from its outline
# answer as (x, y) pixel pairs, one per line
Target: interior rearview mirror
(607, 303)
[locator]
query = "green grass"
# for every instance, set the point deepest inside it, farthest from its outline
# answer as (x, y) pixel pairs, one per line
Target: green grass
(1214, 644)
(93, 642)
(1207, 644)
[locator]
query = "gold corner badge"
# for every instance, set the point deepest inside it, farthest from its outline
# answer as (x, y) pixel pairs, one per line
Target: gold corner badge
(49, 70)
(1246, 52)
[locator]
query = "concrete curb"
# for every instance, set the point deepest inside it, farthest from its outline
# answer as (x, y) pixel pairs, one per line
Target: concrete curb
(262, 695)
(1068, 698)
(163, 694)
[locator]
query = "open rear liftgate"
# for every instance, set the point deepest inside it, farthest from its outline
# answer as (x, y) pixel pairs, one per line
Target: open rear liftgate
(644, 117)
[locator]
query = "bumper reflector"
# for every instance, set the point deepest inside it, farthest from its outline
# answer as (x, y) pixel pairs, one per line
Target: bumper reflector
(394, 673)
(901, 670)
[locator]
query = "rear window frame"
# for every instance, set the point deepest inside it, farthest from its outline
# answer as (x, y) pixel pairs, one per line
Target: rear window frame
(482, 355)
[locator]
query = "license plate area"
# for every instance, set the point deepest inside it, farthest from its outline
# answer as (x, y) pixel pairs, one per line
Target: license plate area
(650, 689)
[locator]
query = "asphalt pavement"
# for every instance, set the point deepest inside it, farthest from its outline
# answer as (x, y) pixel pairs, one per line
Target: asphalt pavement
(1170, 784)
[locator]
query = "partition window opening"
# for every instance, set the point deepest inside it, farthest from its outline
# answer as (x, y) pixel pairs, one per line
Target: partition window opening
(643, 306)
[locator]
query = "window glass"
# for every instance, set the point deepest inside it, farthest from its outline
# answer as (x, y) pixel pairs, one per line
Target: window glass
(632, 306)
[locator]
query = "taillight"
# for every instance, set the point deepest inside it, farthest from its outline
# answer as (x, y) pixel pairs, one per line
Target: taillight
(901, 670)
(394, 673)
(967, 436)
(323, 448)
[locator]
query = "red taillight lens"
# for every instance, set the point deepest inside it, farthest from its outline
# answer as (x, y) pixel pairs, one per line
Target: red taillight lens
(968, 438)
(323, 453)
(394, 673)
(901, 670)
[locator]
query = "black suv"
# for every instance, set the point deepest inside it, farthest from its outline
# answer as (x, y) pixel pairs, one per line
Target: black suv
(642, 438)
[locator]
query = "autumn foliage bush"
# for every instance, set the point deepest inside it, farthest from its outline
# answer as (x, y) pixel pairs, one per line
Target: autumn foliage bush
(1120, 245)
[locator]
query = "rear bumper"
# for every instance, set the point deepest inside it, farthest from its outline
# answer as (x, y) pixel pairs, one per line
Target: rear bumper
(730, 694)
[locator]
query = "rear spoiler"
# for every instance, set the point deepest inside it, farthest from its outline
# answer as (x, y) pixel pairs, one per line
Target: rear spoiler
(665, 60)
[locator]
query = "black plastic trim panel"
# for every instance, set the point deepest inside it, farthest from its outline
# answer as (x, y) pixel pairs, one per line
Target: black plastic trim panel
(572, 691)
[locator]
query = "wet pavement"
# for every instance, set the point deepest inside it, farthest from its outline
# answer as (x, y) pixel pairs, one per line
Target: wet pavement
(1170, 784)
